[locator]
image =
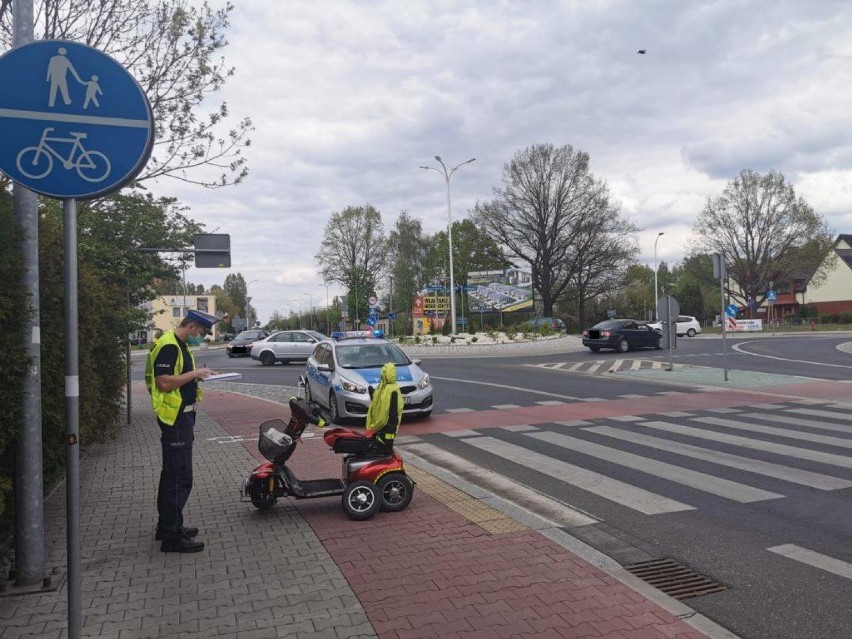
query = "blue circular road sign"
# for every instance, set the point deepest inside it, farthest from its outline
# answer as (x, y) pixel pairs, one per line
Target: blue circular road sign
(74, 122)
(731, 310)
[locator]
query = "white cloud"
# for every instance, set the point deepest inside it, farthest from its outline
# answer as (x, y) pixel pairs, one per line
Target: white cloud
(350, 98)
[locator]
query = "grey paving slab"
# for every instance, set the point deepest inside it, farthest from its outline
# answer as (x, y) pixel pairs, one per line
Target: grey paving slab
(260, 574)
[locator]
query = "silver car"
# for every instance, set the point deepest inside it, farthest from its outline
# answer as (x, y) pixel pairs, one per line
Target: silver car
(341, 370)
(285, 346)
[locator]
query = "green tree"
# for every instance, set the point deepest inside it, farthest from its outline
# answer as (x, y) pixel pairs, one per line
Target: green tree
(765, 233)
(353, 253)
(406, 250)
(546, 213)
(174, 48)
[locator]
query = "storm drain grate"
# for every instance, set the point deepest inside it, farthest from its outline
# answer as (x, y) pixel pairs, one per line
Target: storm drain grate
(674, 579)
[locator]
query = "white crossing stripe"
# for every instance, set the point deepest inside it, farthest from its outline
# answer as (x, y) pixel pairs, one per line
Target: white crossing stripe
(815, 559)
(576, 366)
(616, 365)
(594, 367)
(700, 481)
(808, 423)
(755, 444)
(780, 432)
(757, 466)
(459, 410)
(560, 513)
(504, 406)
(821, 413)
(636, 365)
(618, 491)
(551, 402)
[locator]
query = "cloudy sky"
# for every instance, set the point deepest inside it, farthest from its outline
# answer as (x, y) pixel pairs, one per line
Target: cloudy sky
(349, 98)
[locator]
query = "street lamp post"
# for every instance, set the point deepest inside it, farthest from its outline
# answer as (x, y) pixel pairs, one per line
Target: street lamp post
(656, 314)
(327, 311)
(248, 306)
(447, 175)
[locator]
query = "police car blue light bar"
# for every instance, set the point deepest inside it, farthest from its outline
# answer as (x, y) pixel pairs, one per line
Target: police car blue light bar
(345, 334)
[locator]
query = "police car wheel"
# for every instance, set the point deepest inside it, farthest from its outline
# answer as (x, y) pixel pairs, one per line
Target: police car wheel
(308, 397)
(332, 408)
(396, 491)
(361, 500)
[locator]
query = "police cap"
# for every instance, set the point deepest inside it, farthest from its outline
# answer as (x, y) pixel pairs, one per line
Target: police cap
(203, 320)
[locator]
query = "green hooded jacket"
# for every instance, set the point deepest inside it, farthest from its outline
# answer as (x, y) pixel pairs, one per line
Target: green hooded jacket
(380, 407)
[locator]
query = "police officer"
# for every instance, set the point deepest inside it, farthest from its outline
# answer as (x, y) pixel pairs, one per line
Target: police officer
(172, 379)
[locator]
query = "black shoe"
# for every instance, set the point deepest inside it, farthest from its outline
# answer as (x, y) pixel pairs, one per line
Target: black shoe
(187, 532)
(182, 545)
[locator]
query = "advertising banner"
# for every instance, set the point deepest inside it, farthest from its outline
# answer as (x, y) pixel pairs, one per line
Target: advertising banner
(500, 290)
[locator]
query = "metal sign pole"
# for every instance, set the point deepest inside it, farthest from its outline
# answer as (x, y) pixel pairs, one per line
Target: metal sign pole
(724, 316)
(72, 418)
(672, 325)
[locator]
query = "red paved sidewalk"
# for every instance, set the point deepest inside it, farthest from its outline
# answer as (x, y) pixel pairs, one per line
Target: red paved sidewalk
(430, 572)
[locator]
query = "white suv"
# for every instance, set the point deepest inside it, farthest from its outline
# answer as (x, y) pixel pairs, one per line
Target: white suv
(686, 325)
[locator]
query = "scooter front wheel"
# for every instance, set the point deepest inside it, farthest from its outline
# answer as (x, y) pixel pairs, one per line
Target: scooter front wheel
(361, 500)
(263, 501)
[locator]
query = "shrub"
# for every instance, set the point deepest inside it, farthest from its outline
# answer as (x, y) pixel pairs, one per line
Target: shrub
(846, 317)
(416, 339)
(475, 339)
(434, 339)
(825, 318)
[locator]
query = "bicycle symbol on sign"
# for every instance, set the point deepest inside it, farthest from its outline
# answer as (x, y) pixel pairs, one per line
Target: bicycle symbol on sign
(92, 166)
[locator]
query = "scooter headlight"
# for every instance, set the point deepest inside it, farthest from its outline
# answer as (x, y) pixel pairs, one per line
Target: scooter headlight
(424, 383)
(352, 387)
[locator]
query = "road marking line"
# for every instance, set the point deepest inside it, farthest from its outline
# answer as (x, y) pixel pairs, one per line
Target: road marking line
(636, 365)
(616, 366)
(757, 466)
(517, 388)
(778, 432)
(820, 413)
(813, 558)
(755, 444)
(793, 421)
(550, 402)
(618, 491)
(460, 410)
(504, 406)
(725, 488)
(576, 366)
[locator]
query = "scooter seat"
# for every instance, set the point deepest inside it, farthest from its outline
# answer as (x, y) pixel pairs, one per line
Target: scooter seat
(332, 435)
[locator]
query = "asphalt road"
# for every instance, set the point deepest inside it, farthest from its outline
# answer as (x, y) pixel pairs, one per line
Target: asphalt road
(756, 497)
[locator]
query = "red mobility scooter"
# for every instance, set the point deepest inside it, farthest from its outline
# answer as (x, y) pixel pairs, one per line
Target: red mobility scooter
(373, 476)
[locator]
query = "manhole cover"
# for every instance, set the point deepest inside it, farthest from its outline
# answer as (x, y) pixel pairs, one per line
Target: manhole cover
(674, 579)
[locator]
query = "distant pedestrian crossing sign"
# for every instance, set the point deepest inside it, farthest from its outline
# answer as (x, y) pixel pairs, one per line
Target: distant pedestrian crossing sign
(74, 122)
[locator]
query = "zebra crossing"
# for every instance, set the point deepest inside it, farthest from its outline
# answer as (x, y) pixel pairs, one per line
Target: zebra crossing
(605, 365)
(664, 464)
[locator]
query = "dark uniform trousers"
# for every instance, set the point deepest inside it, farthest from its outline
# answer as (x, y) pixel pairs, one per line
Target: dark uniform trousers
(176, 475)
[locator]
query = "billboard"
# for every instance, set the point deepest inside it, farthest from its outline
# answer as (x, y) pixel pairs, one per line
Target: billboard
(504, 290)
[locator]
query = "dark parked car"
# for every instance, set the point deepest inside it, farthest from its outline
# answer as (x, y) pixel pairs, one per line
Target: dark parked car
(554, 323)
(241, 344)
(621, 335)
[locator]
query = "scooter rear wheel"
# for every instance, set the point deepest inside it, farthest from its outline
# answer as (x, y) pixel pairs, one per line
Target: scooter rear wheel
(396, 491)
(361, 500)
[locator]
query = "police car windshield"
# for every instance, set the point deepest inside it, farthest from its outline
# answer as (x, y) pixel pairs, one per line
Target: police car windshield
(370, 355)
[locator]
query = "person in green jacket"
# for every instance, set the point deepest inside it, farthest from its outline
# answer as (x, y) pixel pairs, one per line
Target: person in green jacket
(385, 413)
(172, 380)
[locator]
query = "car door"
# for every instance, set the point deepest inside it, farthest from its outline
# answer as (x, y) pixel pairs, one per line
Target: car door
(280, 344)
(302, 345)
(319, 382)
(646, 335)
(628, 332)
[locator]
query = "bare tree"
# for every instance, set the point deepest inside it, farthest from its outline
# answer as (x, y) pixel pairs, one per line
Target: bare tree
(544, 212)
(765, 233)
(353, 252)
(173, 49)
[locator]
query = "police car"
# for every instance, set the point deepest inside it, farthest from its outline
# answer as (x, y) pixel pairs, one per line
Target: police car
(341, 369)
